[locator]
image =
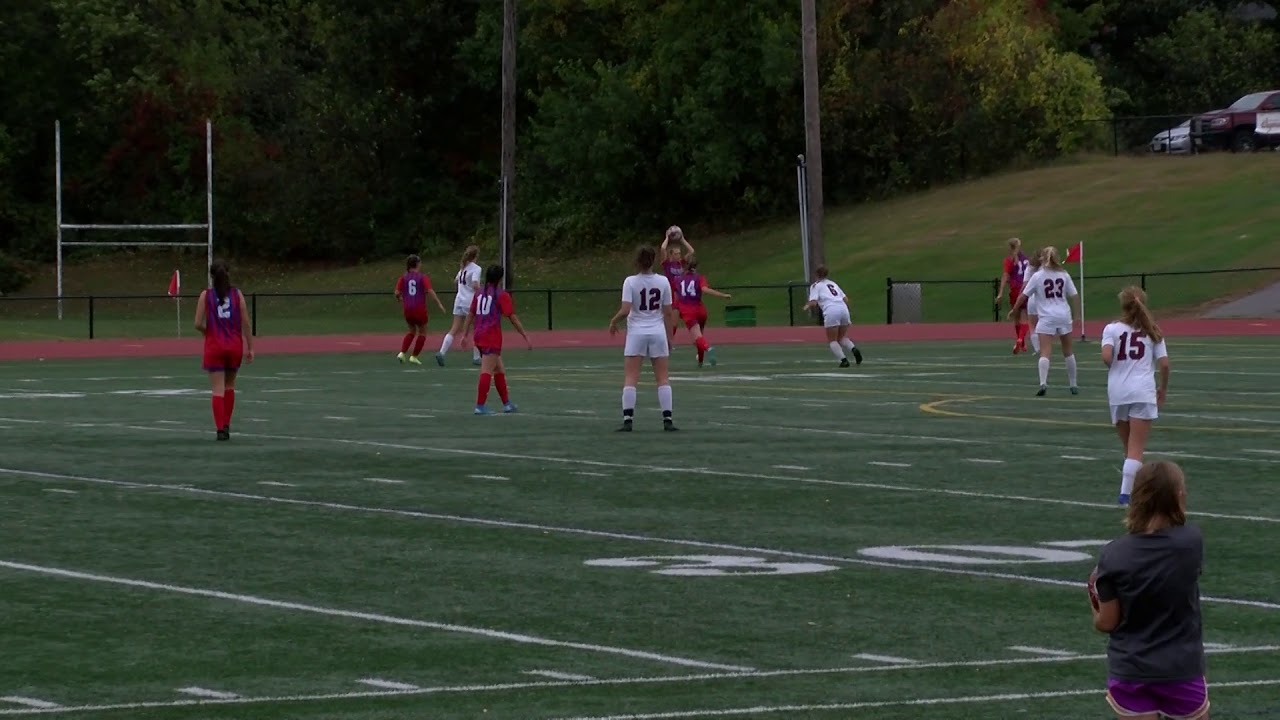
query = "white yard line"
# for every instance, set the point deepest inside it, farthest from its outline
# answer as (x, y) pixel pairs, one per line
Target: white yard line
(1264, 452)
(272, 483)
(790, 467)
(390, 685)
(30, 702)
(886, 659)
(844, 707)
(61, 491)
(590, 474)
(1077, 457)
(623, 682)
(207, 693)
(367, 616)
(486, 522)
(554, 675)
(489, 477)
(984, 460)
(384, 481)
(1033, 650)
(882, 463)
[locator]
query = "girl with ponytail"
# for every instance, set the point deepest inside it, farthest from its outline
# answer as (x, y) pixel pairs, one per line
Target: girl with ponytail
(465, 283)
(1133, 349)
(228, 338)
(1053, 293)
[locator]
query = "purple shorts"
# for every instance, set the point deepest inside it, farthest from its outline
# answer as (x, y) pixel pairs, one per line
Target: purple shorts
(1185, 700)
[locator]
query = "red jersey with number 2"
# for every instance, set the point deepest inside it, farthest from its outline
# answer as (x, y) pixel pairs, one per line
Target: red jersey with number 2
(490, 305)
(223, 331)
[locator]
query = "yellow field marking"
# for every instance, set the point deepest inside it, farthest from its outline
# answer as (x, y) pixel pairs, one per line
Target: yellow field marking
(935, 408)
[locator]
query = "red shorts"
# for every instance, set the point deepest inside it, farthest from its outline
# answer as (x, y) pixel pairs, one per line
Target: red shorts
(1015, 291)
(694, 315)
(220, 357)
(418, 317)
(489, 349)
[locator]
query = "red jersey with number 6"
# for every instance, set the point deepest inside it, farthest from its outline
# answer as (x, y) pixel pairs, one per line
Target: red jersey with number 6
(412, 289)
(490, 305)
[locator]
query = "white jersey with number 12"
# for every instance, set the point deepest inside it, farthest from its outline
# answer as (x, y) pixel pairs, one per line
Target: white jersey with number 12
(650, 297)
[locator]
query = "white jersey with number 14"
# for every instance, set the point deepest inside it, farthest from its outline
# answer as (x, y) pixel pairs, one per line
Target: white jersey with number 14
(828, 295)
(650, 297)
(1131, 378)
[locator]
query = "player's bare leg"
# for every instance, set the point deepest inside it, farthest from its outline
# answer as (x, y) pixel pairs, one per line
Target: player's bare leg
(660, 376)
(630, 376)
(218, 389)
(847, 345)
(833, 341)
(1046, 349)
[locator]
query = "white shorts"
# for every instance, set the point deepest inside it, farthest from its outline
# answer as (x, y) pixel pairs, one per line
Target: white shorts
(647, 345)
(836, 318)
(460, 309)
(1053, 326)
(1134, 411)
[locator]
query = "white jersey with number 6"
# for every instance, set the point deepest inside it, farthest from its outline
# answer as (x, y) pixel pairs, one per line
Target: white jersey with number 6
(831, 299)
(650, 298)
(1132, 376)
(1051, 289)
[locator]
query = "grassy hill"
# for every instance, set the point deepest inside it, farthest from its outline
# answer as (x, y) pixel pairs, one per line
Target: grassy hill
(1135, 214)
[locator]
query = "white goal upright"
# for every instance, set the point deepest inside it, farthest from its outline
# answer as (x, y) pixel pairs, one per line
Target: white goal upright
(207, 225)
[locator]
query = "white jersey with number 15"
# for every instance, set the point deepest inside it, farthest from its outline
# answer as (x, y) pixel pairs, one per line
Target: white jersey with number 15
(650, 298)
(1131, 377)
(828, 295)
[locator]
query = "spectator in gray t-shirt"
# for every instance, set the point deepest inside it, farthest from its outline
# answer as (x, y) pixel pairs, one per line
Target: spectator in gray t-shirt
(1146, 595)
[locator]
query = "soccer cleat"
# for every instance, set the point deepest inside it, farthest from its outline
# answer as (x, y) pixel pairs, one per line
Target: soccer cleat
(509, 408)
(1075, 390)
(484, 410)
(475, 361)
(1043, 389)
(401, 357)
(857, 356)
(844, 362)
(440, 359)
(669, 425)
(224, 434)
(413, 360)
(711, 356)
(626, 426)
(1124, 500)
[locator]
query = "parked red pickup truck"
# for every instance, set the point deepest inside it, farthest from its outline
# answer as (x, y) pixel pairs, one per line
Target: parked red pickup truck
(1235, 127)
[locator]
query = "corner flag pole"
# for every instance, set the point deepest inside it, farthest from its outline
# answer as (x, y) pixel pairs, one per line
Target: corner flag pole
(1082, 291)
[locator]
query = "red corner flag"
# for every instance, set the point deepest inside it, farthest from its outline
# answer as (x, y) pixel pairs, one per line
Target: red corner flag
(175, 284)
(1075, 253)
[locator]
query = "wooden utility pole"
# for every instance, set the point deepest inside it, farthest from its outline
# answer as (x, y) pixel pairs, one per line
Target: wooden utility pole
(508, 184)
(812, 131)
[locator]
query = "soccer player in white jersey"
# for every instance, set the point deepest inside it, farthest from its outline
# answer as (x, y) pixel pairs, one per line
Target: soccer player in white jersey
(466, 283)
(1132, 349)
(1033, 310)
(826, 295)
(1052, 289)
(646, 304)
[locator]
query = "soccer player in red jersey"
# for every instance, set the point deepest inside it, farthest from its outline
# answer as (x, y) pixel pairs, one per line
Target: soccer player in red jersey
(228, 339)
(490, 304)
(673, 266)
(689, 290)
(1015, 269)
(412, 291)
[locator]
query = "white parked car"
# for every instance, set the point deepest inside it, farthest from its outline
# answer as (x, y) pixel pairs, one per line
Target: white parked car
(1175, 140)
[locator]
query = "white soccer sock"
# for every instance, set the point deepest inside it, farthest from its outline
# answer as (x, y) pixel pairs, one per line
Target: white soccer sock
(847, 344)
(628, 401)
(837, 350)
(1035, 341)
(1131, 468)
(475, 353)
(664, 400)
(446, 343)
(1071, 370)
(1044, 371)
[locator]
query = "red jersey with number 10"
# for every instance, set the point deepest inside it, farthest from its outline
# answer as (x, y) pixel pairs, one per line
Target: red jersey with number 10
(490, 305)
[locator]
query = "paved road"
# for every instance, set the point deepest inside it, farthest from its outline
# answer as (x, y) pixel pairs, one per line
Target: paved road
(1263, 304)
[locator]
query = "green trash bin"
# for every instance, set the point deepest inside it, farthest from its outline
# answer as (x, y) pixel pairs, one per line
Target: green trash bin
(740, 315)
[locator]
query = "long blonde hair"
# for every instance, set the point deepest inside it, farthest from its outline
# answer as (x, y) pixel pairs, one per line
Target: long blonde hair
(1015, 245)
(1049, 258)
(1133, 305)
(469, 256)
(1159, 489)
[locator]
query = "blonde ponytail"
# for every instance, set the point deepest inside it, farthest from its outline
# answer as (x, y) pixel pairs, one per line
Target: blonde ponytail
(1133, 303)
(469, 256)
(1050, 258)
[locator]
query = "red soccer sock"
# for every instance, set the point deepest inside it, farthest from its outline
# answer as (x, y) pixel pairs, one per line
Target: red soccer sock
(1023, 329)
(500, 380)
(482, 389)
(228, 406)
(219, 412)
(417, 346)
(703, 345)
(404, 344)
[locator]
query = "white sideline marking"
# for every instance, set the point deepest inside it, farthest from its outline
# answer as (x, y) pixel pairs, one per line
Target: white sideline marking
(558, 675)
(617, 682)
(886, 659)
(369, 617)
(421, 417)
(29, 702)
(1075, 543)
(921, 702)
(1216, 646)
(580, 412)
(889, 464)
(170, 422)
(1033, 650)
(61, 491)
(385, 481)
(734, 407)
(489, 477)
(336, 417)
(207, 693)
(790, 467)
(485, 522)
(288, 390)
(1264, 452)
(273, 483)
(590, 474)
(1077, 457)
(984, 460)
(390, 685)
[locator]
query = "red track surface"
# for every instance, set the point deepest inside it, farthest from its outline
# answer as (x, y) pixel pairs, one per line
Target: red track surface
(388, 343)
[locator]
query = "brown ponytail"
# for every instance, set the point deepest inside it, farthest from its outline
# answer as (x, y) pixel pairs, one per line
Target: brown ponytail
(220, 274)
(1133, 303)
(1158, 492)
(469, 256)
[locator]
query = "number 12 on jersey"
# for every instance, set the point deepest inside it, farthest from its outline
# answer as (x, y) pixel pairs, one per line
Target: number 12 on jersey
(650, 299)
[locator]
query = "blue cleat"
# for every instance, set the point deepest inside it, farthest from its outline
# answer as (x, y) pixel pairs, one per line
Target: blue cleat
(483, 410)
(440, 359)
(711, 357)
(1124, 500)
(509, 408)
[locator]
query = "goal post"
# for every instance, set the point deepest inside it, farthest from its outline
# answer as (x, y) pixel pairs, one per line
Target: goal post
(207, 225)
